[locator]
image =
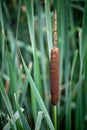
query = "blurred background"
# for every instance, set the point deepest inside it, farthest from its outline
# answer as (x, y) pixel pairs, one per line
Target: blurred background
(26, 40)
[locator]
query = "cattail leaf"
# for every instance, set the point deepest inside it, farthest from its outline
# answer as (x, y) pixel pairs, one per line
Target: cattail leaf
(48, 26)
(74, 63)
(2, 33)
(22, 117)
(70, 90)
(30, 19)
(37, 95)
(13, 77)
(39, 119)
(19, 126)
(82, 41)
(16, 116)
(84, 31)
(18, 17)
(7, 102)
(41, 21)
(85, 72)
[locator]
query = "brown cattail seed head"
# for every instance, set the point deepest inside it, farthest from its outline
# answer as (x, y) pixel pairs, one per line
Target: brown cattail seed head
(54, 75)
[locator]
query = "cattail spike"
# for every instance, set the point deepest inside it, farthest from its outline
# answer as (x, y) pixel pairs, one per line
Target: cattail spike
(55, 66)
(55, 29)
(54, 75)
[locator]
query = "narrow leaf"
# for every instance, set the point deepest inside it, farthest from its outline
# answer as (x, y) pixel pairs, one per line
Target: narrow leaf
(7, 102)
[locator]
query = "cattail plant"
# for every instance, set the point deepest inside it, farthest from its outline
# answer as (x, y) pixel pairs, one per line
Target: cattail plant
(54, 66)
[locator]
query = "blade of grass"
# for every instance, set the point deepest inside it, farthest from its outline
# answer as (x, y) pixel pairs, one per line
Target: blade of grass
(83, 37)
(13, 78)
(28, 48)
(2, 33)
(10, 35)
(75, 89)
(39, 119)
(42, 50)
(19, 126)
(16, 116)
(85, 73)
(25, 86)
(11, 39)
(48, 26)
(37, 95)
(79, 109)
(72, 26)
(64, 49)
(37, 76)
(70, 90)
(79, 121)
(77, 7)
(22, 117)
(7, 102)
(30, 19)
(6, 11)
(11, 125)
(66, 61)
(82, 41)
(18, 17)
(61, 42)
(73, 64)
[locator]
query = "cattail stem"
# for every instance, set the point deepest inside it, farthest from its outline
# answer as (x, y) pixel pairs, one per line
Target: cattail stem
(54, 72)
(55, 117)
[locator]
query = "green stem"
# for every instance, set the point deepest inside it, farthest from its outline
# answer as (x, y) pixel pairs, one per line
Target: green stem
(55, 117)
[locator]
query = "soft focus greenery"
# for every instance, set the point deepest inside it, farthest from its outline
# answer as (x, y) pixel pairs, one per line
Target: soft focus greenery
(26, 40)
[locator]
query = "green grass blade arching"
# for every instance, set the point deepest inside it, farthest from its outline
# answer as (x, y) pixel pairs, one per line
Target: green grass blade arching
(37, 96)
(7, 102)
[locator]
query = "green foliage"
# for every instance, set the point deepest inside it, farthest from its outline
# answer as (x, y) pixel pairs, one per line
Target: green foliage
(26, 39)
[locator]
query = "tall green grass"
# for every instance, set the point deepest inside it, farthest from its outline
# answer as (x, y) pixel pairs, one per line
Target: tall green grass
(26, 40)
